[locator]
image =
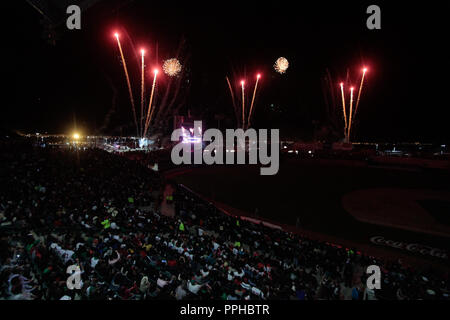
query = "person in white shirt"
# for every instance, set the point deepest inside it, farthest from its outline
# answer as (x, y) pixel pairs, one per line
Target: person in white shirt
(194, 288)
(245, 285)
(94, 262)
(204, 273)
(161, 282)
(257, 292)
(180, 293)
(239, 275)
(369, 294)
(145, 284)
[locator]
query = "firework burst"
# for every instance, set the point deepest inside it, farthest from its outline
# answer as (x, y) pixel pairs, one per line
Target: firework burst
(281, 65)
(172, 67)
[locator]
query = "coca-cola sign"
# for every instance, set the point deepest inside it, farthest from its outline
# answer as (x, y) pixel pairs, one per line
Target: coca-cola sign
(411, 247)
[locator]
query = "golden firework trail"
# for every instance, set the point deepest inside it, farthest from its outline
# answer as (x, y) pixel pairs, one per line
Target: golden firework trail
(231, 92)
(128, 82)
(360, 89)
(151, 115)
(343, 108)
(350, 115)
(243, 105)
(253, 100)
(142, 88)
(147, 121)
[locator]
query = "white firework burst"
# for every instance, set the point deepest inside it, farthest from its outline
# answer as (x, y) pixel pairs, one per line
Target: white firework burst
(172, 67)
(281, 65)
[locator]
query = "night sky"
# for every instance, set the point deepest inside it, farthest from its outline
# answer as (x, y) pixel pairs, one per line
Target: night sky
(405, 98)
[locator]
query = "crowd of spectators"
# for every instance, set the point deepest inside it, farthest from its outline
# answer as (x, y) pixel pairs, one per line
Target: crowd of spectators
(99, 212)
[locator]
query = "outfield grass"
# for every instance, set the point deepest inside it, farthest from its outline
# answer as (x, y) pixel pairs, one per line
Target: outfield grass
(313, 191)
